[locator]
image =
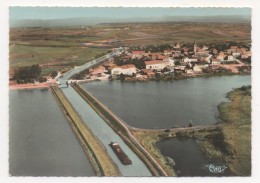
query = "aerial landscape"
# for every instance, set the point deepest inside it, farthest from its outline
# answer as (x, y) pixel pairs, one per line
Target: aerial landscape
(134, 92)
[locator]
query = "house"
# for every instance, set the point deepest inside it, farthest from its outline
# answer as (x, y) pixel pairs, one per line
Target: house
(177, 45)
(221, 56)
(197, 68)
(244, 56)
(205, 47)
(138, 52)
(155, 64)
(236, 54)
(162, 57)
(124, 69)
(154, 55)
(231, 58)
(201, 52)
(148, 72)
(215, 51)
(168, 52)
(182, 67)
(241, 50)
(215, 61)
(98, 72)
(170, 61)
(177, 68)
(203, 59)
(189, 71)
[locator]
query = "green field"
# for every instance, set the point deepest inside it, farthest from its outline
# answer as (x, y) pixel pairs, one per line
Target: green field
(28, 55)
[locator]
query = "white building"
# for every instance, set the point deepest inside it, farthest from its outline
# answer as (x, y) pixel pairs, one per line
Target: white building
(215, 61)
(156, 64)
(124, 69)
(231, 58)
(236, 54)
(189, 71)
(189, 60)
(170, 61)
(197, 68)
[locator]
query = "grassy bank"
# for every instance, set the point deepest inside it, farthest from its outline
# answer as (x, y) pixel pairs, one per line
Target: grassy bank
(120, 130)
(148, 139)
(100, 160)
(236, 129)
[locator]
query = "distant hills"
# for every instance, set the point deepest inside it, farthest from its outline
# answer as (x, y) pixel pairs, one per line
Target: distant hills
(103, 20)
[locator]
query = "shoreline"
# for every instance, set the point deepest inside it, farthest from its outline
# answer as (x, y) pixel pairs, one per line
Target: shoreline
(24, 87)
(182, 77)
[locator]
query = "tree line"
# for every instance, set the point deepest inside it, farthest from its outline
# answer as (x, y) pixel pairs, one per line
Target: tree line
(27, 74)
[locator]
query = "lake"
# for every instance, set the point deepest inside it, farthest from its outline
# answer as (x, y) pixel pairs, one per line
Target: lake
(167, 103)
(41, 142)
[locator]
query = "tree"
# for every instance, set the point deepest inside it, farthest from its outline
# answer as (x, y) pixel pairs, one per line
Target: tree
(41, 79)
(122, 77)
(177, 63)
(54, 74)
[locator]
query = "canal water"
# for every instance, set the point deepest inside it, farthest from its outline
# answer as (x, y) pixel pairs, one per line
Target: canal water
(106, 135)
(41, 142)
(189, 160)
(167, 104)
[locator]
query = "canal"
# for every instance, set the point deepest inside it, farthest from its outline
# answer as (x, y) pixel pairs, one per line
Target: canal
(106, 135)
(41, 142)
(167, 104)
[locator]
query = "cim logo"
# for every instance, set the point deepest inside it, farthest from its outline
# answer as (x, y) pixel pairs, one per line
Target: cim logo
(216, 168)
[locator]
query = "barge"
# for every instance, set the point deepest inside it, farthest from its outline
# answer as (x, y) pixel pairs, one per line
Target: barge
(120, 154)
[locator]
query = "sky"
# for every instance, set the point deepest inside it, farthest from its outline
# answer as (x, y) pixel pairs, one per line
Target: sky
(74, 12)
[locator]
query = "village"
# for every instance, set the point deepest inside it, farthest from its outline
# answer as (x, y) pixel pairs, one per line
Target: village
(177, 62)
(161, 62)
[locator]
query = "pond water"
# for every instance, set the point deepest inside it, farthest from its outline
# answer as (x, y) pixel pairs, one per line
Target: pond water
(167, 104)
(41, 142)
(189, 160)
